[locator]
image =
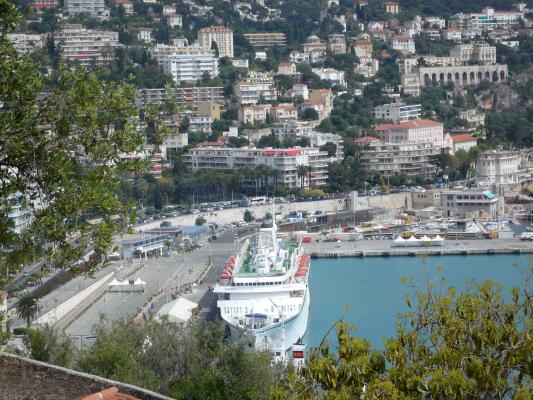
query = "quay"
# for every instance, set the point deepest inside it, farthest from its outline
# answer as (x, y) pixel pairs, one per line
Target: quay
(386, 248)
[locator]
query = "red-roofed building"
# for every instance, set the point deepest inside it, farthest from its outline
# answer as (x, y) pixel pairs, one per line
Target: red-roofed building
(404, 44)
(366, 139)
(418, 130)
(463, 142)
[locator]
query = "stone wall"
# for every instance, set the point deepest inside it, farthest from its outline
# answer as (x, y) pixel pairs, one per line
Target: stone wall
(25, 379)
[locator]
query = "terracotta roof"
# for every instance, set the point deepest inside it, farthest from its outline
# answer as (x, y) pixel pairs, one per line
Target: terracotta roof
(416, 123)
(367, 139)
(111, 393)
(463, 138)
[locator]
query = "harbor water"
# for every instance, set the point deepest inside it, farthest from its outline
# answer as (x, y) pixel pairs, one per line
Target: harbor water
(373, 289)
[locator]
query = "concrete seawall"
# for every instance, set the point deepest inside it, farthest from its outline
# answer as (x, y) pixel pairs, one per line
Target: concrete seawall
(385, 248)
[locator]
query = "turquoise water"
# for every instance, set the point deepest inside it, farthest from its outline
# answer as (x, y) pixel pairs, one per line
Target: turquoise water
(373, 290)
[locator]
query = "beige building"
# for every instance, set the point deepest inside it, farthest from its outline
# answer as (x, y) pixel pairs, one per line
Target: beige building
(221, 35)
(471, 203)
(209, 109)
(253, 114)
(337, 43)
(498, 167)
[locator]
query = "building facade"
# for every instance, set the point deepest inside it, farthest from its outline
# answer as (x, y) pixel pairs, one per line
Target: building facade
(470, 203)
(222, 36)
(415, 131)
(395, 159)
(397, 112)
(86, 46)
(285, 161)
(96, 8)
(498, 167)
(266, 39)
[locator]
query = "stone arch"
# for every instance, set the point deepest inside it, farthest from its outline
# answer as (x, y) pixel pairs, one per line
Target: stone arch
(426, 78)
(465, 78)
(479, 76)
(441, 77)
(472, 77)
(487, 75)
(502, 75)
(450, 76)
(434, 78)
(457, 78)
(494, 76)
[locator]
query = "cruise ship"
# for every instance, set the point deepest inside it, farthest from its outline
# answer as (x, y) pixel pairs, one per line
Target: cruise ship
(264, 294)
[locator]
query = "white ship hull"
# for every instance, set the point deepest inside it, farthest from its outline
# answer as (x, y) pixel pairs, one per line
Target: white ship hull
(271, 337)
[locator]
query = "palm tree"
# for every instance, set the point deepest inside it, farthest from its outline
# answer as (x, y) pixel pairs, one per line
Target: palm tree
(309, 169)
(27, 307)
(301, 171)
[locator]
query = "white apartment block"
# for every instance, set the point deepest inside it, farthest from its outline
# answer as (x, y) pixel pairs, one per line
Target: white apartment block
(200, 124)
(330, 74)
(286, 161)
(395, 159)
(191, 67)
(416, 131)
(221, 35)
(299, 89)
(337, 43)
(96, 8)
(411, 85)
(25, 43)
(169, 9)
(488, 19)
(266, 39)
(293, 128)
(438, 22)
(397, 112)
(498, 167)
(404, 44)
(474, 117)
(144, 35)
(84, 45)
(250, 93)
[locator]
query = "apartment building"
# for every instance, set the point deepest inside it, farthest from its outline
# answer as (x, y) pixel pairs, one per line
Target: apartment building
(283, 112)
(250, 93)
(337, 43)
(41, 5)
(474, 117)
(471, 203)
(95, 8)
(498, 167)
(404, 44)
(481, 53)
(185, 63)
(332, 75)
(487, 19)
(222, 36)
(314, 44)
(286, 161)
(416, 131)
(174, 20)
(25, 43)
(266, 39)
(85, 45)
(463, 142)
(394, 159)
(299, 89)
(257, 113)
(397, 112)
(208, 109)
(368, 67)
(186, 97)
(200, 124)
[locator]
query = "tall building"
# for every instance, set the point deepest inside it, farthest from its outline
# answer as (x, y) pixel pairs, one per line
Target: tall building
(487, 19)
(286, 161)
(95, 8)
(221, 35)
(40, 5)
(498, 167)
(186, 63)
(25, 43)
(85, 45)
(397, 112)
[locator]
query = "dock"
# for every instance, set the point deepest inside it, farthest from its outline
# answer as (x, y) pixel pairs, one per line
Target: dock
(386, 248)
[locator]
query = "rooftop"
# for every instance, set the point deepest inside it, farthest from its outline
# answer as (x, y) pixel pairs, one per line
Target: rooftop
(463, 138)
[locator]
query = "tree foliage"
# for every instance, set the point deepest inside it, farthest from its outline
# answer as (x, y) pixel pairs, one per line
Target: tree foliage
(449, 345)
(61, 154)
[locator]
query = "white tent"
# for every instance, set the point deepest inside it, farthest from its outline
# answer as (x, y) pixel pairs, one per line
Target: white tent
(139, 281)
(179, 310)
(114, 282)
(399, 241)
(438, 241)
(412, 241)
(425, 238)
